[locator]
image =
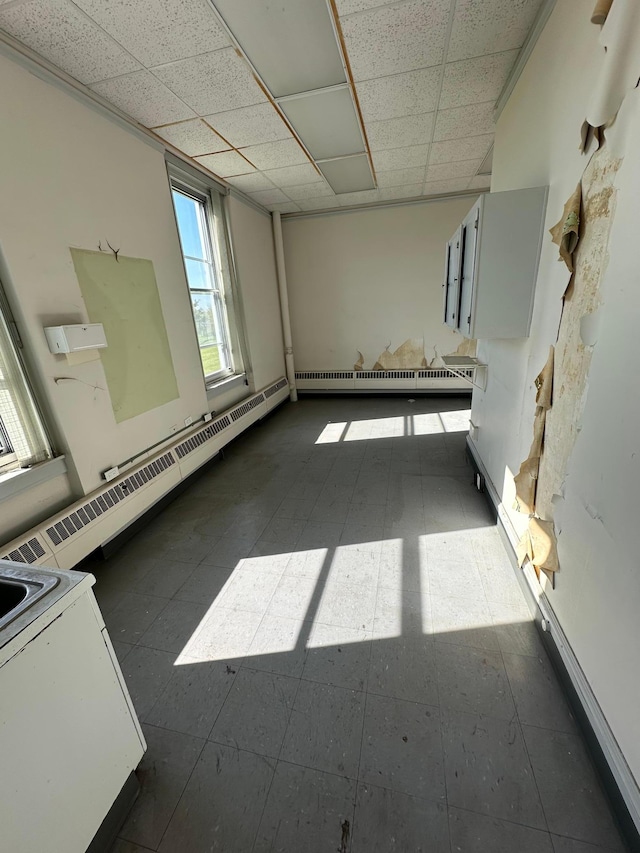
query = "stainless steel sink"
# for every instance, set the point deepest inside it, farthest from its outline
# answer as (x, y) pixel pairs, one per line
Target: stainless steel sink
(20, 589)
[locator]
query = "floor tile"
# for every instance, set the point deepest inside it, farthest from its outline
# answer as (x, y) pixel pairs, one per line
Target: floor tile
(389, 821)
(325, 729)
(404, 668)
(537, 693)
(147, 672)
(571, 845)
(128, 621)
(256, 712)
(193, 696)
(348, 605)
(472, 832)
(306, 810)
(572, 796)
(221, 807)
(228, 551)
(122, 846)
(163, 774)
(225, 635)
(515, 629)
(248, 589)
(473, 680)
(279, 646)
(463, 621)
(402, 748)
(488, 770)
(165, 578)
(294, 598)
(175, 625)
(338, 656)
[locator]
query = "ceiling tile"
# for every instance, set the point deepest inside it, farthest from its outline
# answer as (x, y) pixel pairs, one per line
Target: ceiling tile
(315, 190)
(453, 185)
(396, 177)
(159, 31)
(404, 36)
(285, 207)
(193, 137)
(347, 7)
(321, 203)
(446, 171)
(460, 149)
(275, 155)
(212, 82)
(252, 183)
(472, 120)
(250, 125)
(292, 176)
(348, 174)
(326, 122)
(400, 95)
(363, 197)
(273, 196)
(490, 26)
(226, 164)
(404, 191)
(57, 30)
(480, 182)
(473, 81)
(144, 97)
(400, 158)
(400, 132)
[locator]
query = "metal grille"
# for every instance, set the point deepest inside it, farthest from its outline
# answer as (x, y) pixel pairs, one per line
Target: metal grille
(26, 553)
(281, 383)
(242, 410)
(201, 437)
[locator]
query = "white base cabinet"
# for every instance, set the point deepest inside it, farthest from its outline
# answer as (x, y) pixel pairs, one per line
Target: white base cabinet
(492, 265)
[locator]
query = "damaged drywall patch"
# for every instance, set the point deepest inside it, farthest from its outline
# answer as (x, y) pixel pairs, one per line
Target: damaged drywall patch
(409, 356)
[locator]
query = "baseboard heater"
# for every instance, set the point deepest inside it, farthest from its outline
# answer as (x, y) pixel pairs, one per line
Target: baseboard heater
(434, 379)
(616, 774)
(63, 540)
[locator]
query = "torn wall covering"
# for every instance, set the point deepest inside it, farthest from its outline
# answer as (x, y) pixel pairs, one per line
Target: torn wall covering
(411, 356)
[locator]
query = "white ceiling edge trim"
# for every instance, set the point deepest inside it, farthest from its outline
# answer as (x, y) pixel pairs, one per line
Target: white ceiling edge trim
(544, 13)
(46, 71)
(376, 205)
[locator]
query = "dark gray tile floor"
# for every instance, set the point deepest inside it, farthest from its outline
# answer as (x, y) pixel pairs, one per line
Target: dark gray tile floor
(329, 651)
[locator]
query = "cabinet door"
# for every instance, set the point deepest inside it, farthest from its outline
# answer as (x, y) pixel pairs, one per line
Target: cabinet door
(452, 281)
(468, 258)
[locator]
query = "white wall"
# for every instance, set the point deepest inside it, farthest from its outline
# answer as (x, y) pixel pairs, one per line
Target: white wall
(71, 177)
(597, 595)
(361, 280)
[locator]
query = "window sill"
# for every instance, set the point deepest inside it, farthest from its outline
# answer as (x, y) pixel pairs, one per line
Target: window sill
(223, 385)
(18, 480)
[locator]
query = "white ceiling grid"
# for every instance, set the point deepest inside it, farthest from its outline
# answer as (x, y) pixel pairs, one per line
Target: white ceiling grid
(427, 75)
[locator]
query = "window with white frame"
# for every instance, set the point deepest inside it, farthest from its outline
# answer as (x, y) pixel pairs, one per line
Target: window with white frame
(199, 215)
(23, 438)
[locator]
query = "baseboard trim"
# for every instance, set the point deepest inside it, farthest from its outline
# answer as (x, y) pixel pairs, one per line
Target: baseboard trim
(615, 774)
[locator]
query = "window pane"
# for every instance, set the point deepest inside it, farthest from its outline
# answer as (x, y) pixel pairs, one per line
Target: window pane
(190, 225)
(209, 329)
(199, 274)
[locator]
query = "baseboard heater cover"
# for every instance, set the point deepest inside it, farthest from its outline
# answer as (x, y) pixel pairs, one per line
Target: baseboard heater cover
(432, 378)
(626, 793)
(67, 537)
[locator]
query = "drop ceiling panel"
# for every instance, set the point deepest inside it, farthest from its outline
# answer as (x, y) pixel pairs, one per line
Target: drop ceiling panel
(348, 175)
(362, 197)
(475, 80)
(145, 98)
(157, 31)
(451, 150)
(396, 177)
(452, 185)
(490, 26)
(479, 182)
(252, 183)
(446, 171)
(293, 176)
(57, 30)
(226, 164)
(401, 95)
(471, 120)
(347, 7)
(326, 122)
(290, 42)
(275, 155)
(407, 36)
(402, 191)
(397, 158)
(304, 191)
(268, 197)
(412, 130)
(193, 137)
(250, 125)
(285, 207)
(323, 203)
(212, 82)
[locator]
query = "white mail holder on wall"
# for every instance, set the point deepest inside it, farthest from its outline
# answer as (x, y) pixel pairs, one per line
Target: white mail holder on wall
(75, 338)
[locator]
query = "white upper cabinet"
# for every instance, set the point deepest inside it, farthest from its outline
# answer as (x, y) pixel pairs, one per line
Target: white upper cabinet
(492, 264)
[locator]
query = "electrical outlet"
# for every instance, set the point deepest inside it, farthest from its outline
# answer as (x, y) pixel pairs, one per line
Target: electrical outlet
(208, 417)
(111, 474)
(188, 421)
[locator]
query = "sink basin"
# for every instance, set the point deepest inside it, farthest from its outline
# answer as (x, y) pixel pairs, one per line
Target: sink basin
(20, 589)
